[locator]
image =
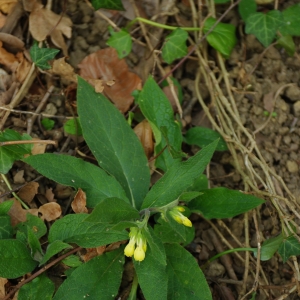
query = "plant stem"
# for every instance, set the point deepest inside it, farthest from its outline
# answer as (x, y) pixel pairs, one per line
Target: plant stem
(135, 283)
(14, 194)
(160, 25)
(27, 142)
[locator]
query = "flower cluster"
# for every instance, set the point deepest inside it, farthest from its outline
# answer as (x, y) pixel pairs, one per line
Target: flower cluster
(176, 214)
(137, 245)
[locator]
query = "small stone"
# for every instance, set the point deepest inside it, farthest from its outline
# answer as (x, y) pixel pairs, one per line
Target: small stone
(292, 166)
(50, 109)
(293, 93)
(296, 107)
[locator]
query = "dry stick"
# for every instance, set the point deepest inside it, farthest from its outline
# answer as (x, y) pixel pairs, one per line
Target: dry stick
(38, 109)
(39, 272)
(34, 114)
(27, 142)
(20, 95)
(200, 41)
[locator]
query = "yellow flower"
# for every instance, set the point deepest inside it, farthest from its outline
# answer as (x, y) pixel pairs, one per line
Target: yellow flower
(129, 250)
(139, 254)
(176, 214)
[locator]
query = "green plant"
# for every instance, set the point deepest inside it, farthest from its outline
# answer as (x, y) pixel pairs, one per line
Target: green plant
(118, 192)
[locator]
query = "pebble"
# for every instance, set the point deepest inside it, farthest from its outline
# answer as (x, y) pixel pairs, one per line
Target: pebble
(296, 107)
(292, 166)
(50, 109)
(293, 93)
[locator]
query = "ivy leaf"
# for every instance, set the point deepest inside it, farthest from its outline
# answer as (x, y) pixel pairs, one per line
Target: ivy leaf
(222, 38)
(73, 127)
(10, 153)
(108, 4)
(41, 56)
(288, 248)
(175, 46)
(47, 123)
(247, 8)
(291, 21)
(288, 44)
(121, 41)
(264, 26)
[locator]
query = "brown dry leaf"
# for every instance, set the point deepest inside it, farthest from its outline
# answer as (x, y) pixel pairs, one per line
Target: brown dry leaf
(28, 192)
(50, 195)
(2, 20)
(38, 148)
(6, 6)
(144, 132)
(50, 211)
(64, 70)
(269, 101)
(43, 22)
(98, 84)
(18, 214)
(29, 4)
(7, 59)
(105, 64)
(92, 252)
(79, 203)
(11, 40)
(3, 281)
(23, 67)
(19, 177)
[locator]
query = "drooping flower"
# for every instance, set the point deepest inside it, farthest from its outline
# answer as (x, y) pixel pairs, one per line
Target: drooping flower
(176, 214)
(137, 245)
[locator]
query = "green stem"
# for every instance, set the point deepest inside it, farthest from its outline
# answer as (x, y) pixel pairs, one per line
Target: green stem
(135, 283)
(155, 24)
(14, 194)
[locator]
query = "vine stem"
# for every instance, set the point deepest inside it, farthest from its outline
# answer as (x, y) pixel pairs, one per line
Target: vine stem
(39, 272)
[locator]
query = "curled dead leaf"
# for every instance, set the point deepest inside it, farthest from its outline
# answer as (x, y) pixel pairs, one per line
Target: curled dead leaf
(144, 132)
(6, 6)
(79, 203)
(64, 70)
(28, 192)
(18, 214)
(105, 64)
(92, 252)
(50, 211)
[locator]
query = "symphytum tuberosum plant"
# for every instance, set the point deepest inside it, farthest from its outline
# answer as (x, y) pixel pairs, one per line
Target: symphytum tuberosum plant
(154, 221)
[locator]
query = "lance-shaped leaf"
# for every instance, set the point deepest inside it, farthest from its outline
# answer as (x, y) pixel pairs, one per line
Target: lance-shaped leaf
(75, 172)
(113, 142)
(179, 178)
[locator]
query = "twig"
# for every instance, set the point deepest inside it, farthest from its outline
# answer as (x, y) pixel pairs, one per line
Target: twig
(27, 142)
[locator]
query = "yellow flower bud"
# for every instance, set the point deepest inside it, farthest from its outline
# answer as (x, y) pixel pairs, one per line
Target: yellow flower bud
(179, 208)
(139, 254)
(186, 222)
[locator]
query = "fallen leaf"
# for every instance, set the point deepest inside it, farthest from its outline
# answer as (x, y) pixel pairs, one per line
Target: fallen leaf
(22, 68)
(50, 195)
(6, 6)
(50, 211)
(79, 203)
(18, 214)
(144, 132)
(64, 70)
(28, 192)
(38, 148)
(105, 64)
(2, 20)
(19, 177)
(92, 252)
(3, 281)
(7, 59)
(44, 22)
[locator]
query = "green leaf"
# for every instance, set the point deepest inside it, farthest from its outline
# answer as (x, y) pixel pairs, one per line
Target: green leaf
(288, 44)
(121, 41)
(264, 26)
(73, 229)
(5, 207)
(10, 153)
(175, 45)
(269, 247)
(75, 172)
(15, 259)
(108, 4)
(202, 136)
(39, 288)
(188, 196)
(72, 261)
(36, 225)
(41, 56)
(288, 248)
(291, 21)
(112, 210)
(186, 280)
(222, 203)
(6, 230)
(247, 8)
(221, 1)
(99, 278)
(178, 178)
(157, 109)
(155, 244)
(113, 142)
(152, 277)
(52, 249)
(222, 38)
(47, 123)
(73, 127)
(35, 246)
(200, 183)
